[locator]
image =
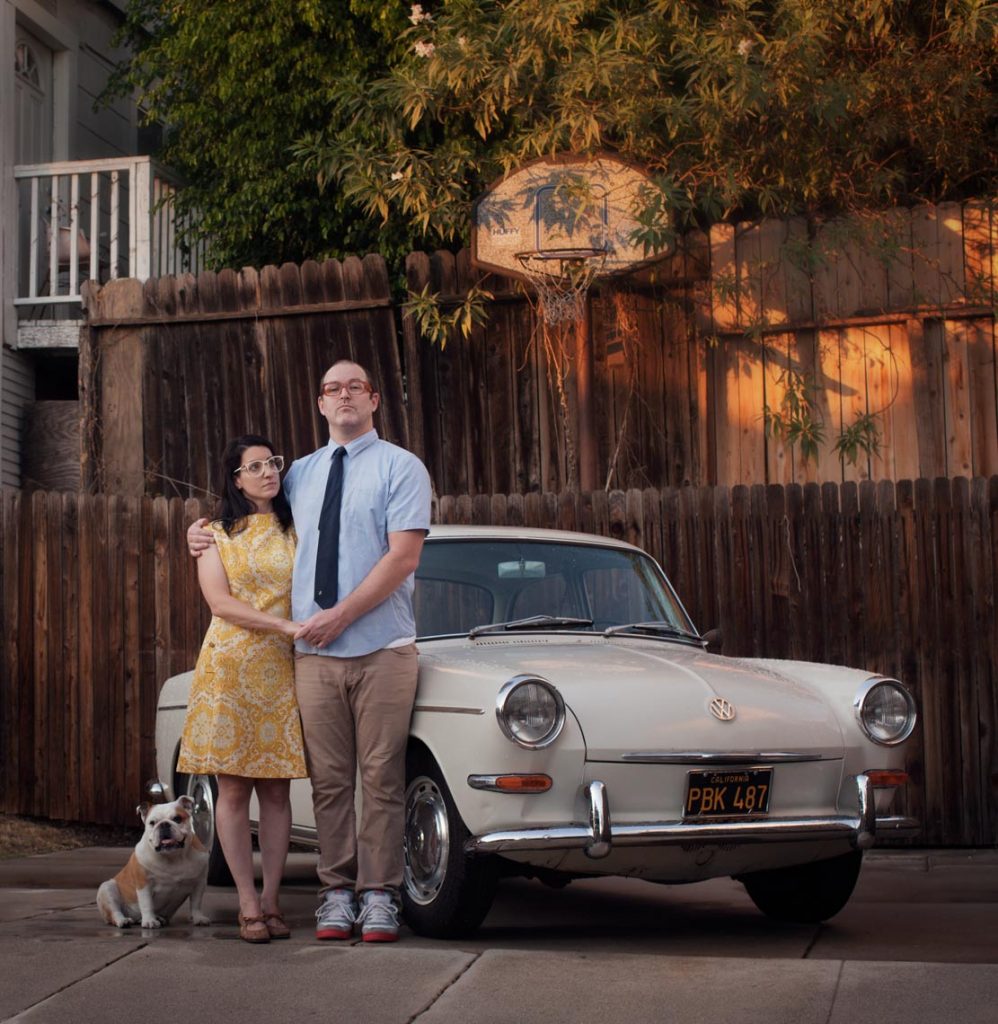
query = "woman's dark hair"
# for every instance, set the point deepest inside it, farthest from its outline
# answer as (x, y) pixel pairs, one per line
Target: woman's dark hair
(234, 506)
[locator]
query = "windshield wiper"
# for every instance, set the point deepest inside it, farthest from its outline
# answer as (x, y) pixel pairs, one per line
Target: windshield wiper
(662, 628)
(533, 622)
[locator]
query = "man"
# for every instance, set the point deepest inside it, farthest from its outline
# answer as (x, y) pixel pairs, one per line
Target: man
(355, 654)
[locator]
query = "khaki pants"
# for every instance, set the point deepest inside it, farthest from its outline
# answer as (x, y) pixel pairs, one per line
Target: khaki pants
(355, 712)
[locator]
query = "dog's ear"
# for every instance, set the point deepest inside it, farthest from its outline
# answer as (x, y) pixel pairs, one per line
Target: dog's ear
(142, 810)
(186, 802)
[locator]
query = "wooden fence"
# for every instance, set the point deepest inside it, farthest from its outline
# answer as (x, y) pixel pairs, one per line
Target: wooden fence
(889, 316)
(100, 605)
(888, 321)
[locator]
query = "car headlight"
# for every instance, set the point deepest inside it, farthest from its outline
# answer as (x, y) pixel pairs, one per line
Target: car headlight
(886, 711)
(530, 711)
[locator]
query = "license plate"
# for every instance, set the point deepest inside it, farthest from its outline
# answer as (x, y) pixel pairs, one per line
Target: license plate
(728, 793)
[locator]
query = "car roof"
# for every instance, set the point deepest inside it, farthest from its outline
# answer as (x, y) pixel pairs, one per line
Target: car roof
(531, 533)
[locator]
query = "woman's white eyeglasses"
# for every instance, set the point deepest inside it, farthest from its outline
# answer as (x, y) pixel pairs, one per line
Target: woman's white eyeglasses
(259, 466)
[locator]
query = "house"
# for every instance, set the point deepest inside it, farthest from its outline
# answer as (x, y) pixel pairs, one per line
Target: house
(80, 198)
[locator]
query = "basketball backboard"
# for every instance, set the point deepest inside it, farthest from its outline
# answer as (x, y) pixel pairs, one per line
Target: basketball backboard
(563, 204)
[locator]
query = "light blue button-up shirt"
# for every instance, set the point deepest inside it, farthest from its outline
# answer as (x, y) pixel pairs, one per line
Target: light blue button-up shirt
(385, 489)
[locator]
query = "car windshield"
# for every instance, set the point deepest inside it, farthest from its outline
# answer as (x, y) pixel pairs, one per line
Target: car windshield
(463, 585)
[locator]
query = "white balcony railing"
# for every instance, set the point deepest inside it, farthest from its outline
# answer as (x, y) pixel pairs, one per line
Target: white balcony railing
(96, 220)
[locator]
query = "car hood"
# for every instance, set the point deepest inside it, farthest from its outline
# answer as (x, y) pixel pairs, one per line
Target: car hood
(637, 696)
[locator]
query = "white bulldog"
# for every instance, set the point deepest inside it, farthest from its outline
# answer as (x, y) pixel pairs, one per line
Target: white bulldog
(169, 865)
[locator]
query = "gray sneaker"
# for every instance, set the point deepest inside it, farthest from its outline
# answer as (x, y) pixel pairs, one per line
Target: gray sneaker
(379, 917)
(336, 915)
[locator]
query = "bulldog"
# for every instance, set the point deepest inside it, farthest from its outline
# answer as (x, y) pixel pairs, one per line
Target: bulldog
(169, 865)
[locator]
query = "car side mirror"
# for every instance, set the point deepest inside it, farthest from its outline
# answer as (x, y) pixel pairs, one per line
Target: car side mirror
(713, 639)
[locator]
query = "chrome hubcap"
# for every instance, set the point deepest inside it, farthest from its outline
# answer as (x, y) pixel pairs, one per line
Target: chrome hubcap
(427, 840)
(199, 790)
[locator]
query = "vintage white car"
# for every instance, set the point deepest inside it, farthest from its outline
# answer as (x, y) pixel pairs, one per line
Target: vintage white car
(570, 722)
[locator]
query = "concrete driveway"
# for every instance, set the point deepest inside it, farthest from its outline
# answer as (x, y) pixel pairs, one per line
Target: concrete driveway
(917, 943)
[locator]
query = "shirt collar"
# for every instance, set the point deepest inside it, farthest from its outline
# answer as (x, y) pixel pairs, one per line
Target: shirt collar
(357, 445)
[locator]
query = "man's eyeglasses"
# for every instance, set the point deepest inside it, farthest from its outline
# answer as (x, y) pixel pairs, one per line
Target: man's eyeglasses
(332, 388)
(259, 466)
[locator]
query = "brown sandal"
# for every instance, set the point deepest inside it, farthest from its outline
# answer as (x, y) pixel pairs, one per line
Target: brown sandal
(253, 929)
(276, 926)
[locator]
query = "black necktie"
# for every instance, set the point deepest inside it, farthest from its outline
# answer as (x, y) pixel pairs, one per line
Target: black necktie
(327, 558)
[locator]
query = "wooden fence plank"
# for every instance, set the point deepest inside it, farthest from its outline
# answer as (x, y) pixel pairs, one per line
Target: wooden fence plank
(69, 654)
(853, 346)
(950, 249)
(485, 394)
(454, 409)
(956, 399)
(707, 558)
(793, 539)
(777, 366)
(149, 598)
(947, 707)
(813, 574)
(114, 637)
(44, 607)
(758, 535)
(878, 366)
(739, 580)
(723, 277)
(814, 355)
(900, 272)
(136, 734)
(10, 704)
(929, 640)
(306, 430)
(103, 599)
(28, 639)
(926, 263)
(982, 366)
(968, 593)
(721, 539)
(833, 564)
(988, 651)
(868, 255)
(272, 392)
(899, 449)
(751, 271)
(416, 274)
(926, 343)
(978, 253)
(906, 624)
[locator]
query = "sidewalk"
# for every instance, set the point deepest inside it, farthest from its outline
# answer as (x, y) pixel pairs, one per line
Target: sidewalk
(918, 943)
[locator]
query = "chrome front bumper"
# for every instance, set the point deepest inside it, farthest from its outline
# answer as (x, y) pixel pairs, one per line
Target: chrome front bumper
(598, 836)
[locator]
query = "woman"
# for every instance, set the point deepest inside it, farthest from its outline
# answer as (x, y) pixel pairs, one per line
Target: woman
(242, 720)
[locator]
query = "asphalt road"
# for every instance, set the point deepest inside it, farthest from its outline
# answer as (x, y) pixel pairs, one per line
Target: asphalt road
(917, 943)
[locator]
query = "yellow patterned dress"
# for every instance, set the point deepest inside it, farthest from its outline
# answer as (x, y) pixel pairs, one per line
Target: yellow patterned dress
(242, 716)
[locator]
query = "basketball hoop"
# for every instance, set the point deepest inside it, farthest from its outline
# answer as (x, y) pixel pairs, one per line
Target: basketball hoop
(561, 279)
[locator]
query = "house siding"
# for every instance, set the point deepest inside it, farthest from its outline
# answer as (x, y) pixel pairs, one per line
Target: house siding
(80, 34)
(17, 394)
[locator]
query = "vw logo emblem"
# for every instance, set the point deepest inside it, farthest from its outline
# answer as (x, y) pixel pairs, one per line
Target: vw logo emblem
(722, 710)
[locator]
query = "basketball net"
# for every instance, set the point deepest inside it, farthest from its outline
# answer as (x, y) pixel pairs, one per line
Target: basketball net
(561, 279)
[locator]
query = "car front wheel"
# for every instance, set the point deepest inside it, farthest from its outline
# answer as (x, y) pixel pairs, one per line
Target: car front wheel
(445, 893)
(805, 893)
(203, 790)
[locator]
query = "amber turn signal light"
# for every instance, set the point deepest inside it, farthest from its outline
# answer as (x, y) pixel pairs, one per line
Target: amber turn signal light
(523, 783)
(887, 777)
